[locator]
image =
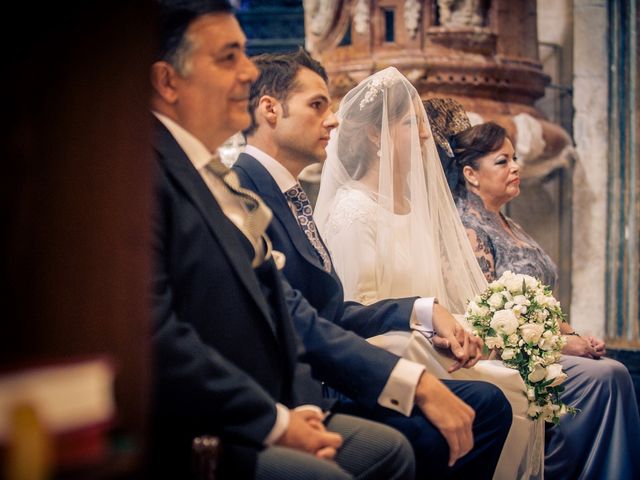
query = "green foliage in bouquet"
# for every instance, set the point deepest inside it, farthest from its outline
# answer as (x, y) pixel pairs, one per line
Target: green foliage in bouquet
(520, 318)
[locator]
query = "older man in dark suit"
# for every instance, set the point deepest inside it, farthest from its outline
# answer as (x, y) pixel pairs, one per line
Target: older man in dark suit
(226, 355)
(292, 118)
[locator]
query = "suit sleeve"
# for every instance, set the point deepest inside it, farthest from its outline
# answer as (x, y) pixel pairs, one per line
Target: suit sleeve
(381, 317)
(338, 357)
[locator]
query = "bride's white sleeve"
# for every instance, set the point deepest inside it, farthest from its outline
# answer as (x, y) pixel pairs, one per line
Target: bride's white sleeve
(351, 241)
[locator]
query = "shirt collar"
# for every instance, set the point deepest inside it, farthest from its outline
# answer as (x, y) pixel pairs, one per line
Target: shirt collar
(193, 148)
(281, 175)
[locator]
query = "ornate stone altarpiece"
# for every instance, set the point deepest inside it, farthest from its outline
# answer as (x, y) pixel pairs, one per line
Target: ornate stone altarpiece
(483, 53)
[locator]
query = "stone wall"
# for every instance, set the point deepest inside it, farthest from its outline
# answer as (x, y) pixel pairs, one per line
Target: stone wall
(544, 205)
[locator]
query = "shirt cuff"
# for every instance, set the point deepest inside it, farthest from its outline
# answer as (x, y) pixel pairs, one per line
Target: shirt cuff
(309, 406)
(400, 390)
(281, 425)
(422, 315)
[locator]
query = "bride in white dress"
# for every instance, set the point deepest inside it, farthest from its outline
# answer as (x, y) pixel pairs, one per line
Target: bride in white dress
(388, 217)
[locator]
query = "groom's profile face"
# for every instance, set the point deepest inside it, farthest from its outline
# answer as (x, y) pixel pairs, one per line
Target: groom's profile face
(303, 128)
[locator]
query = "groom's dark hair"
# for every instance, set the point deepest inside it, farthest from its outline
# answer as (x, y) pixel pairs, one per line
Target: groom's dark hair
(277, 78)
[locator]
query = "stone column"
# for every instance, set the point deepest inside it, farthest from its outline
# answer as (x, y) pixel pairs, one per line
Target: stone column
(590, 101)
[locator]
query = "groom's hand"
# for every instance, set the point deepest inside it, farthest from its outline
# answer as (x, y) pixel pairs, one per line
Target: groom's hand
(450, 335)
(448, 413)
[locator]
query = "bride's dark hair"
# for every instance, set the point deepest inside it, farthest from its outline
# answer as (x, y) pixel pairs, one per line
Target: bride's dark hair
(356, 149)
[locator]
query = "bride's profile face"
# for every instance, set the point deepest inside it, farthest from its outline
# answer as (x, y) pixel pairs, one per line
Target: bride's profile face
(403, 132)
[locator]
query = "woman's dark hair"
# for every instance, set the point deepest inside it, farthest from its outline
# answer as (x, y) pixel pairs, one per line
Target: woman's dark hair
(469, 146)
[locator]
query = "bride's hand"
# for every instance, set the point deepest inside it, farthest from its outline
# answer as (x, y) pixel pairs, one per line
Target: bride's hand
(450, 335)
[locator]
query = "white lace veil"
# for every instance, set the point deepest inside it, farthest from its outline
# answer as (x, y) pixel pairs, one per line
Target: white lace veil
(378, 151)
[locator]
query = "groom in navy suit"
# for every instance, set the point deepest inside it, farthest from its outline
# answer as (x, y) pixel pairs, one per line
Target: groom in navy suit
(292, 118)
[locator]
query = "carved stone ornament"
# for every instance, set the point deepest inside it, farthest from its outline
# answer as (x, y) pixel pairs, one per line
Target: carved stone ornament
(412, 16)
(321, 15)
(361, 16)
(461, 13)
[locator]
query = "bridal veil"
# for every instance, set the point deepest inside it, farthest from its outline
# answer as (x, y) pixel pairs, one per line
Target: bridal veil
(384, 154)
(388, 217)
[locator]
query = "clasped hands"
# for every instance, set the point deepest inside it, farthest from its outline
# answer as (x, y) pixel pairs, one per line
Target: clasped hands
(306, 432)
(465, 347)
(587, 346)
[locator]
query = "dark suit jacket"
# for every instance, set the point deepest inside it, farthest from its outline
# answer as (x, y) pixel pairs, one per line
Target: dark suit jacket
(225, 349)
(303, 268)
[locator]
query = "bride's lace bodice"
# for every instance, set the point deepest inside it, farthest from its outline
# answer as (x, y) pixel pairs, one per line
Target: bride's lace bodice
(352, 222)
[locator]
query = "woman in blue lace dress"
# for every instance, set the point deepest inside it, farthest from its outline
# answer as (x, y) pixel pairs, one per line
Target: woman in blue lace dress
(603, 440)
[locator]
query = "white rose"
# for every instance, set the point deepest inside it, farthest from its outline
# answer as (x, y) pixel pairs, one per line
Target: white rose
(519, 310)
(505, 275)
(549, 411)
(514, 283)
(542, 300)
(476, 309)
(550, 357)
(547, 343)
(496, 301)
(531, 332)
(555, 373)
(505, 322)
(537, 359)
(533, 410)
(542, 314)
(531, 282)
(539, 373)
(494, 342)
(496, 286)
(521, 300)
(508, 354)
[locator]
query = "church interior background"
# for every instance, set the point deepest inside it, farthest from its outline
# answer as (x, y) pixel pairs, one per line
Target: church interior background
(560, 75)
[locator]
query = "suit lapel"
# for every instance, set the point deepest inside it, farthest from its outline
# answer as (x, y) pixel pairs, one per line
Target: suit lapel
(180, 168)
(268, 189)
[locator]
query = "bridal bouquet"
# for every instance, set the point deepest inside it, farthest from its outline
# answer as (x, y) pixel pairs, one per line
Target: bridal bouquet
(519, 317)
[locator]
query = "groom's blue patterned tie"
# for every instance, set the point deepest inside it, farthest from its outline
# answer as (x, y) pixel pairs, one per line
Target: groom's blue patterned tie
(304, 214)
